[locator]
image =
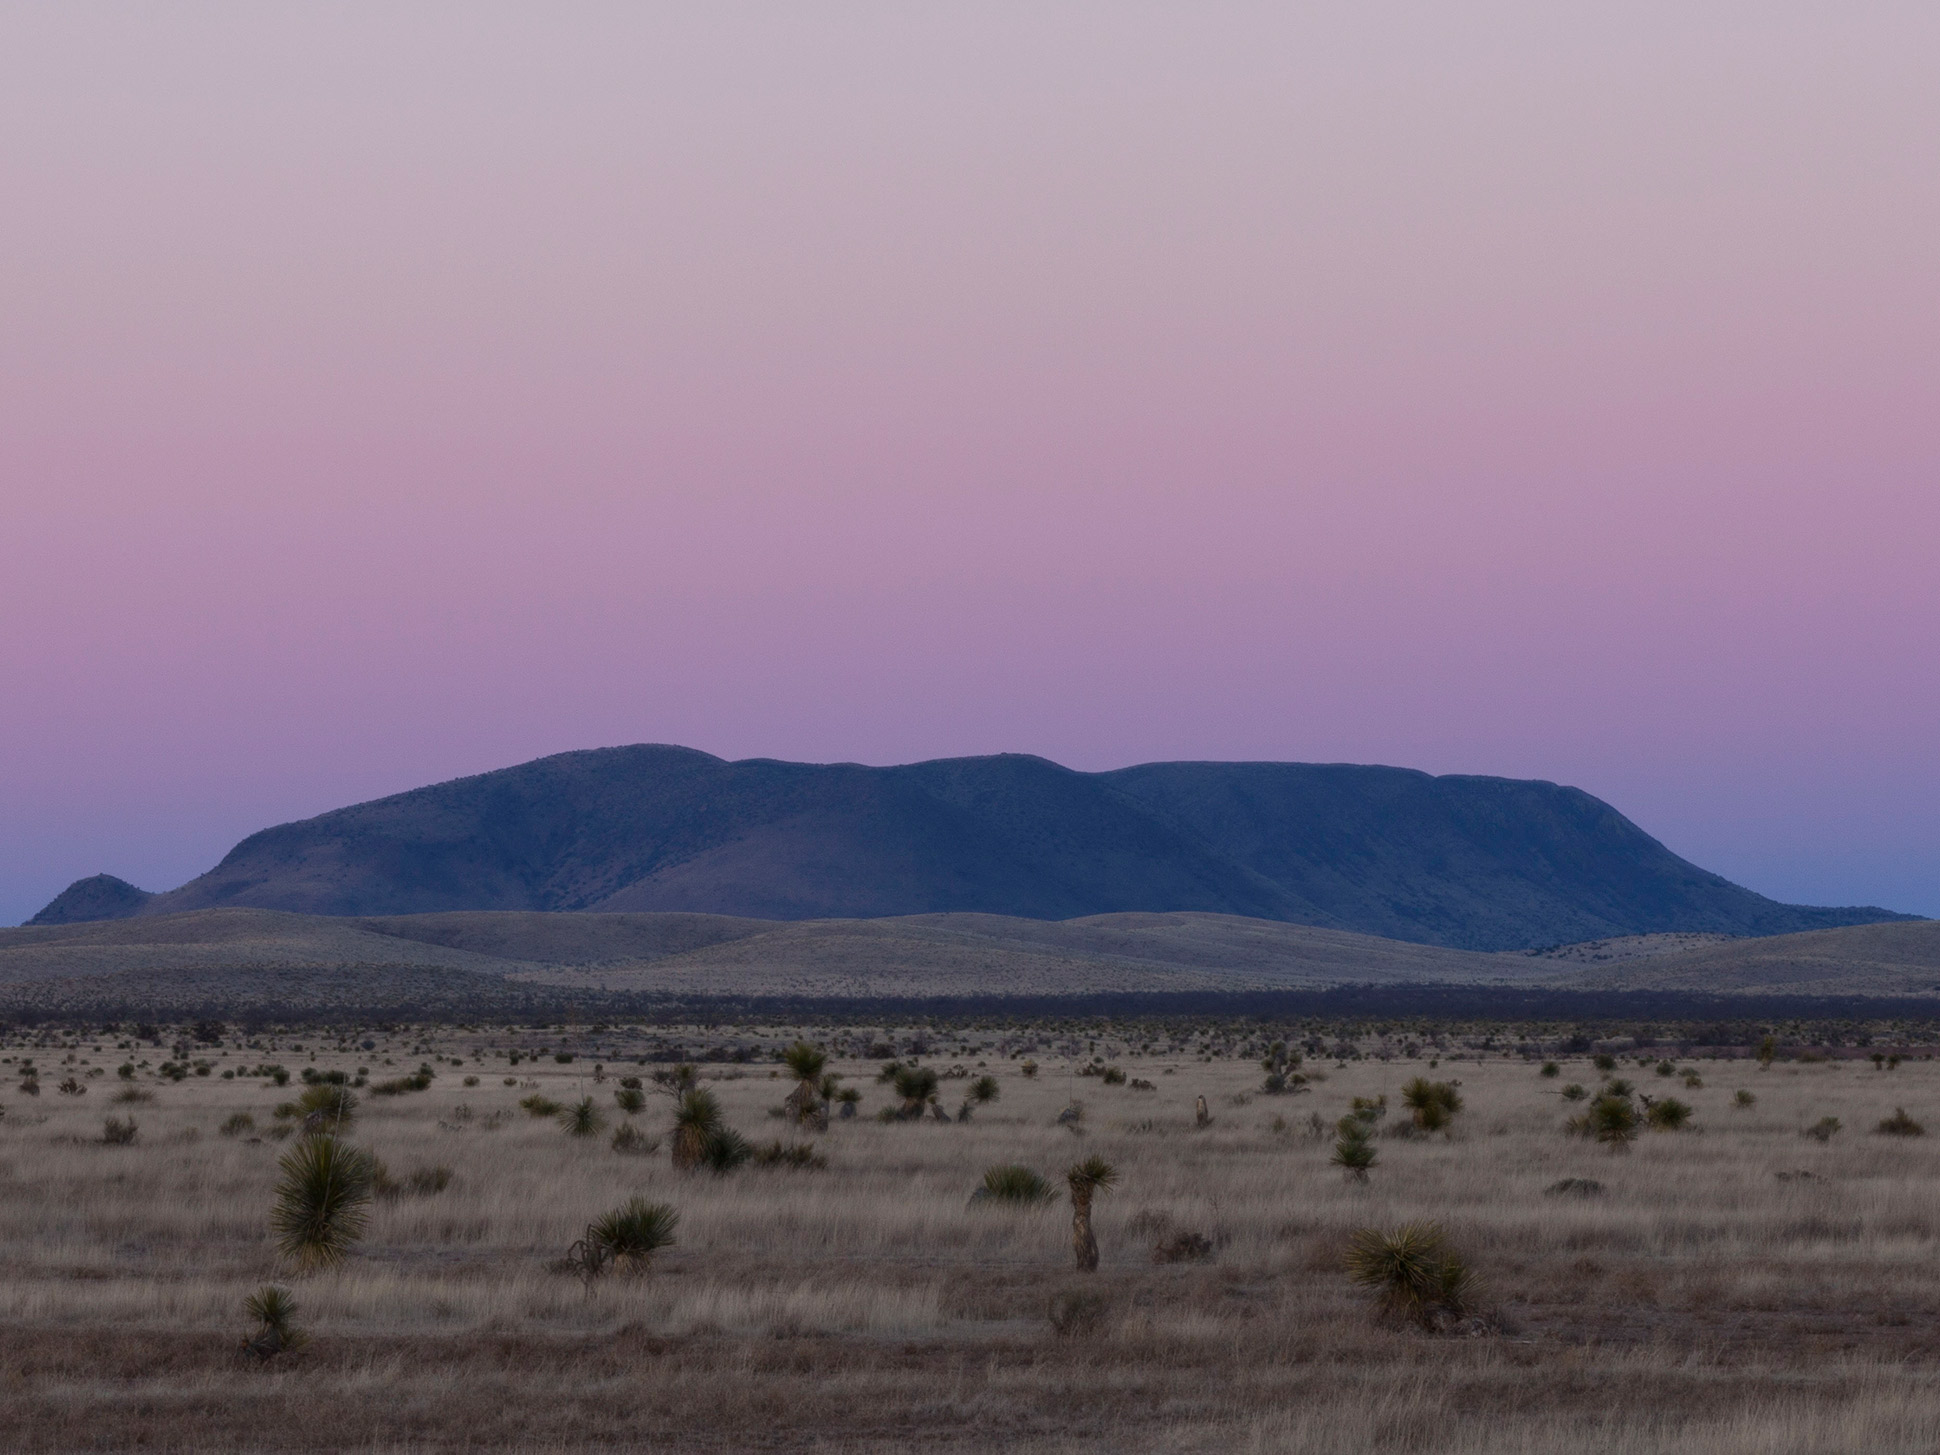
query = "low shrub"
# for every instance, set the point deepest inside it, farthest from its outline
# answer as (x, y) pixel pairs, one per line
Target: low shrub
(541, 1106)
(1743, 1099)
(1668, 1114)
(1078, 1313)
(1899, 1124)
(237, 1124)
(118, 1133)
(1183, 1247)
(1823, 1130)
(801, 1155)
(1574, 1092)
(634, 1142)
(1575, 1187)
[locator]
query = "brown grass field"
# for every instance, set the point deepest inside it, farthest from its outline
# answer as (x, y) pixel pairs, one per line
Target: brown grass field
(1713, 1298)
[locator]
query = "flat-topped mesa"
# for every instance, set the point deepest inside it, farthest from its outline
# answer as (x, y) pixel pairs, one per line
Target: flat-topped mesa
(1467, 862)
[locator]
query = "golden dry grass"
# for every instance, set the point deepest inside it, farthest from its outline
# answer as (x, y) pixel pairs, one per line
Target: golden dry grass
(1702, 1303)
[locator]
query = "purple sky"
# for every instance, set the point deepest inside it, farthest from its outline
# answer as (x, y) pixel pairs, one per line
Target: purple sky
(393, 392)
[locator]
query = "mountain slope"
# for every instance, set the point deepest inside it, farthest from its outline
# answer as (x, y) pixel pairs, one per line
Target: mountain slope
(1471, 863)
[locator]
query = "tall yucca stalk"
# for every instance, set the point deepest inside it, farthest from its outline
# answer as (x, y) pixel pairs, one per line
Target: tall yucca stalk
(322, 1200)
(1086, 1180)
(697, 1116)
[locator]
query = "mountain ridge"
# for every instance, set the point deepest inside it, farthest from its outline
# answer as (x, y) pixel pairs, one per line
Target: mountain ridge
(1461, 861)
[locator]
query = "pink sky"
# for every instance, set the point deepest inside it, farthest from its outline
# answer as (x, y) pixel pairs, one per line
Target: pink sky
(388, 393)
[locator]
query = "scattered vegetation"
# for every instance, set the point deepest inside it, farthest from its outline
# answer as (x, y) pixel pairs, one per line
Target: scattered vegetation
(631, 1140)
(1823, 1130)
(1575, 1187)
(800, 1155)
(115, 1132)
(1743, 1099)
(1899, 1124)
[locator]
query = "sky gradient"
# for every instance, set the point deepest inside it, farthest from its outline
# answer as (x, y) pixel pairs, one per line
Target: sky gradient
(395, 392)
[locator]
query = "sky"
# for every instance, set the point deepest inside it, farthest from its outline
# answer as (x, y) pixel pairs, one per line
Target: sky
(393, 392)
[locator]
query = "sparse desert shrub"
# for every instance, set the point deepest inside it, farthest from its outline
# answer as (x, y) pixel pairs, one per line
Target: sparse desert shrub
(1183, 1247)
(630, 1099)
(1087, 1179)
(630, 1235)
(1027, 1070)
(1015, 1186)
(1664, 1068)
(428, 1181)
(1077, 1313)
(1617, 1086)
(237, 1124)
(1668, 1114)
(783, 1154)
(1823, 1130)
(634, 1142)
(132, 1095)
(1575, 1187)
(1604, 1062)
(72, 1087)
(1354, 1150)
(322, 1200)
(471, 1081)
(582, 1119)
(1899, 1124)
(1416, 1275)
(1551, 1069)
(1574, 1092)
(1112, 1076)
(1743, 1099)
(541, 1106)
(274, 1312)
(116, 1132)
(1693, 1081)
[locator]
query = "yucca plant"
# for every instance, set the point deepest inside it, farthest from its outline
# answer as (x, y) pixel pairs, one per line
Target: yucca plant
(630, 1235)
(322, 1200)
(275, 1314)
(916, 1086)
(724, 1150)
(327, 1107)
(1611, 1120)
(1668, 1115)
(806, 1104)
(1413, 1270)
(697, 1115)
(1353, 1149)
(1433, 1104)
(1087, 1179)
(1018, 1186)
(582, 1119)
(980, 1092)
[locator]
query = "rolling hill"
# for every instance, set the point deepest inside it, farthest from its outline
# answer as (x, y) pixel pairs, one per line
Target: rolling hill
(1463, 862)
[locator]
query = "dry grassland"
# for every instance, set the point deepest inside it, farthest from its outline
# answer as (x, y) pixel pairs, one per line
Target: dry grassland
(1701, 1303)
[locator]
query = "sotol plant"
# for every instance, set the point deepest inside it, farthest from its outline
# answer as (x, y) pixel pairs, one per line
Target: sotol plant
(1433, 1104)
(697, 1116)
(1353, 1149)
(1086, 1180)
(322, 1200)
(582, 1119)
